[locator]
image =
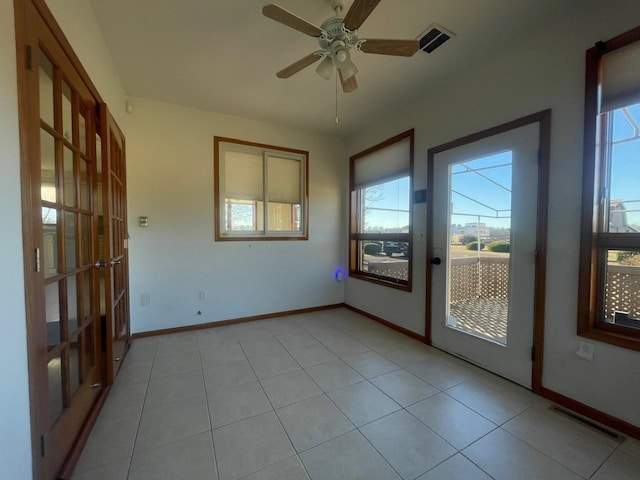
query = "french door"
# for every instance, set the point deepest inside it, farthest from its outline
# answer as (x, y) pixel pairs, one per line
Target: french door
(114, 278)
(63, 127)
(484, 250)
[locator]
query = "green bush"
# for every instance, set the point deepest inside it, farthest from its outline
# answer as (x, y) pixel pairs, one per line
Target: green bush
(372, 248)
(467, 239)
(626, 256)
(500, 246)
(474, 246)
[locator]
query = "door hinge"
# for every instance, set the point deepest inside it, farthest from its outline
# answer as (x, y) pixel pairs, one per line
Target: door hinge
(43, 446)
(533, 354)
(28, 61)
(36, 259)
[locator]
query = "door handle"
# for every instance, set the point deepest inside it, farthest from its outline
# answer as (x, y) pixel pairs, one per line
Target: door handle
(436, 261)
(100, 264)
(116, 262)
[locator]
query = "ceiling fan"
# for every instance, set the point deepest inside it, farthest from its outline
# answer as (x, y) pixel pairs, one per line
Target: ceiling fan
(337, 36)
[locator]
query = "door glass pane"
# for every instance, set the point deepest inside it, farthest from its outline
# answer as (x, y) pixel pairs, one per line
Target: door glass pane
(480, 236)
(56, 403)
(89, 346)
(70, 239)
(49, 254)
(69, 196)
(622, 288)
(47, 167)
(85, 185)
(82, 127)
(86, 295)
(46, 89)
(67, 127)
(74, 363)
(72, 303)
(52, 309)
(86, 239)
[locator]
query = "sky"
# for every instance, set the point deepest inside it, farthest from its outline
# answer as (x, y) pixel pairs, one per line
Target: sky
(625, 185)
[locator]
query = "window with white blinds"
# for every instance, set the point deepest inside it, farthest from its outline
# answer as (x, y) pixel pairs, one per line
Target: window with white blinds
(261, 191)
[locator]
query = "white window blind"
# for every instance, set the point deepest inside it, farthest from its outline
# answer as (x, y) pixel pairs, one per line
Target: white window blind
(283, 180)
(243, 178)
(383, 165)
(620, 78)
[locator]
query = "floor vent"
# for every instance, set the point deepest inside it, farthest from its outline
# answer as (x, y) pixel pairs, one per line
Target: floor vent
(585, 421)
(433, 37)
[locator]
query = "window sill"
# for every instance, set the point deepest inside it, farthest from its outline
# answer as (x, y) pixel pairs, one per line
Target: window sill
(613, 334)
(257, 238)
(405, 286)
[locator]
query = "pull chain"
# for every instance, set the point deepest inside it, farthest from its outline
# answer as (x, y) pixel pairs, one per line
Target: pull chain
(337, 117)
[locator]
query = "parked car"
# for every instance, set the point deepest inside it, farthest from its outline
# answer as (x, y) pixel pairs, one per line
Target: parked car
(391, 247)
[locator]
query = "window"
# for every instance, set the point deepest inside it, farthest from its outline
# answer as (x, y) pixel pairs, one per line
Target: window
(260, 191)
(609, 297)
(380, 233)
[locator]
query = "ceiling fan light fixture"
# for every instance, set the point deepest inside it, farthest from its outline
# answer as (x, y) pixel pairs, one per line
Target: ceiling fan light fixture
(342, 55)
(325, 69)
(348, 69)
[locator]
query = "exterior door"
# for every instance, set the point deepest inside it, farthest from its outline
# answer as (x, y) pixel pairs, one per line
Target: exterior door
(114, 238)
(58, 125)
(484, 234)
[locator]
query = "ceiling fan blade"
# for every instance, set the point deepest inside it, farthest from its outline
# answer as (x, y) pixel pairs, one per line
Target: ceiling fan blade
(281, 15)
(348, 85)
(402, 48)
(299, 65)
(359, 12)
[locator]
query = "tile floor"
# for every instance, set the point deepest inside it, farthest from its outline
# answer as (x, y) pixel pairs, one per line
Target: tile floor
(330, 395)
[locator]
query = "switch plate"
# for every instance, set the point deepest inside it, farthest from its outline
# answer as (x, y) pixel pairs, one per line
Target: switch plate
(585, 350)
(202, 295)
(145, 300)
(143, 222)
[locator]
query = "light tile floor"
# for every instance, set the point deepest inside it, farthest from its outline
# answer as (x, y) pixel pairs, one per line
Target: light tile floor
(330, 395)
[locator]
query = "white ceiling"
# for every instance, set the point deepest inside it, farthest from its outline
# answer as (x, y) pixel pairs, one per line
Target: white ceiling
(222, 55)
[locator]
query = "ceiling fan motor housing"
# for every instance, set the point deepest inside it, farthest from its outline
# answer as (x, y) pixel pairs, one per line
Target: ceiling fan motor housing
(336, 37)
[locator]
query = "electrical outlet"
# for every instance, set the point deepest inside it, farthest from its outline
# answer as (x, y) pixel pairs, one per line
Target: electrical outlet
(145, 300)
(585, 350)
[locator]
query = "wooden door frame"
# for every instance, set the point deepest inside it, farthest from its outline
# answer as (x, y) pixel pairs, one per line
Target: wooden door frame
(25, 11)
(543, 118)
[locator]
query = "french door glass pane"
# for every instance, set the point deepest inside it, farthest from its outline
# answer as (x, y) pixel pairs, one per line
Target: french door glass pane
(67, 125)
(46, 90)
(85, 185)
(56, 399)
(52, 309)
(89, 345)
(82, 127)
(69, 194)
(72, 303)
(47, 167)
(70, 228)
(85, 234)
(86, 296)
(480, 236)
(74, 363)
(49, 254)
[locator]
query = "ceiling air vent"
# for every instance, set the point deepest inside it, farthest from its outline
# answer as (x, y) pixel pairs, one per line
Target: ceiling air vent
(433, 37)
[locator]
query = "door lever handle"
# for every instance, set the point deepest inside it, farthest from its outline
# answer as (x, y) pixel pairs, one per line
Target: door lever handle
(116, 262)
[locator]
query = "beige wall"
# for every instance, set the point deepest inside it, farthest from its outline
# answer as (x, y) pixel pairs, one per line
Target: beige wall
(170, 180)
(542, 72)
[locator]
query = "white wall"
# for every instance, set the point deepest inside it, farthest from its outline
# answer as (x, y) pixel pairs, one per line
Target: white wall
(546, 71)
(15, 454)
(170, 180)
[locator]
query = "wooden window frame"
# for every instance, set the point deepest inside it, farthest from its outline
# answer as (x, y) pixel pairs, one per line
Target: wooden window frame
(220, 234)
(593, 239)
(355, 236)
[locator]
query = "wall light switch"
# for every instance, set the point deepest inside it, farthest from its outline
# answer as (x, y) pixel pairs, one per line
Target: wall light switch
(585, 350)
(145, 300)
(202, 294)
(143, 222)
